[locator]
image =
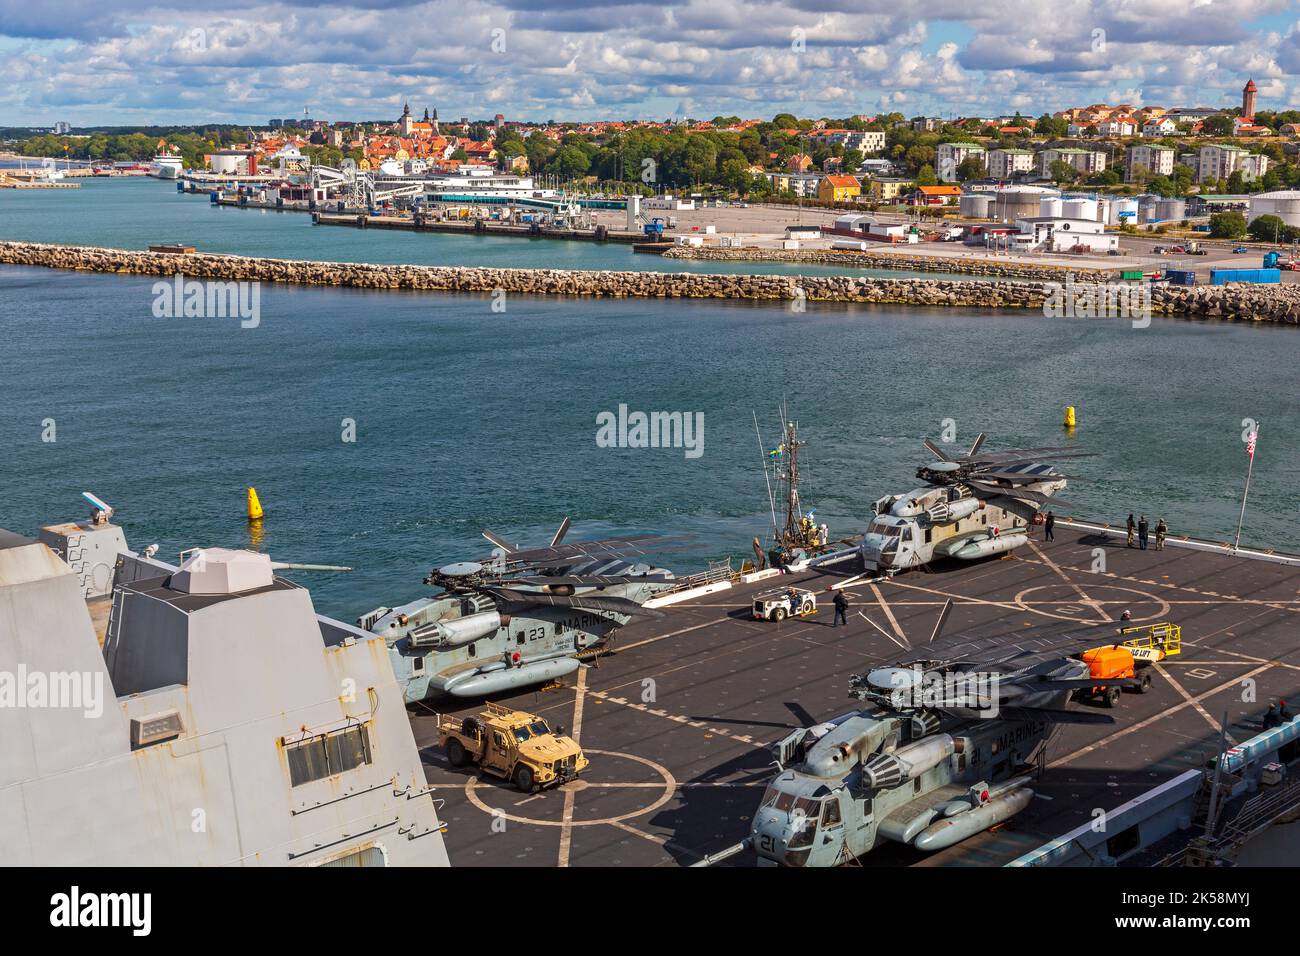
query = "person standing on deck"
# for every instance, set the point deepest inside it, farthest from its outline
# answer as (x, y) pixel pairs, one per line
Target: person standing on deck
(1272, 718)
(841, 609)
(1162, 531)
(1142, 532)
(1132, 529)
(1048, 524)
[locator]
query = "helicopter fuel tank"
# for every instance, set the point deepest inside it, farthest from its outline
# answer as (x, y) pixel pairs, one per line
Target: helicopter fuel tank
(972, 548)
(497, 677)
(1001, 804)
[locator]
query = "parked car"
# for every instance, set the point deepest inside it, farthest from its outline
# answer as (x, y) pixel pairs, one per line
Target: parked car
(1239, 250)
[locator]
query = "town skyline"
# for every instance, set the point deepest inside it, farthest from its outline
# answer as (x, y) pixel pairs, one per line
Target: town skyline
(128, 63)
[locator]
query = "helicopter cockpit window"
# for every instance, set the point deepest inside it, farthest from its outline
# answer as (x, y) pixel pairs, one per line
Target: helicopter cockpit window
(830, 812)
(778, 799)
(907, 532)
(809, 809)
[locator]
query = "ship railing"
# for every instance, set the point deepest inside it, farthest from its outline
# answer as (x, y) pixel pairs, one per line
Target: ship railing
(1260, 812)
(717, 572)
(1255, 816)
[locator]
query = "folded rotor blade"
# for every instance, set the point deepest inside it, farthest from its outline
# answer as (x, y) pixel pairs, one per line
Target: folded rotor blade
(499, 541)
(935, 450)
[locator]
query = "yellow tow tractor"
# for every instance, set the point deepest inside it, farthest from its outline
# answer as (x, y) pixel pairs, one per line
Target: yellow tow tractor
(512, 744)
(1138, 648)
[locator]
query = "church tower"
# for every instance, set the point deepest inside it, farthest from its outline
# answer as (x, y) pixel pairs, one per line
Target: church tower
(404, 125)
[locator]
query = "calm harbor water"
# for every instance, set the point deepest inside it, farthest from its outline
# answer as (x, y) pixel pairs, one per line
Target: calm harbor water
(135, 212)
(467, 418)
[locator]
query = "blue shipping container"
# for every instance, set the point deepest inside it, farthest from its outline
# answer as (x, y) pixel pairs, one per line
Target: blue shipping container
(1257, 276)
(1180, 277)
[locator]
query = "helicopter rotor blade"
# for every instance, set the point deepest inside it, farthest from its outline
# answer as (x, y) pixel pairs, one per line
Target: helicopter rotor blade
(499, 541)
(979, 441)
(1023, 494)
(560, 532)
(581, 602)
(1025, 478)
(1023, 452)
(935, 450)
(1054, 716)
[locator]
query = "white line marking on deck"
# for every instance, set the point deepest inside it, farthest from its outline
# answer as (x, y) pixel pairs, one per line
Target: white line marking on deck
(1182, 692)
(566, 827)
(1061, 761)
(1083, 595)
(893, 622)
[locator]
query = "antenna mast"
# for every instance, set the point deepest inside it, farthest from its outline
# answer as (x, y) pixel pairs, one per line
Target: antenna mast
(795, 534)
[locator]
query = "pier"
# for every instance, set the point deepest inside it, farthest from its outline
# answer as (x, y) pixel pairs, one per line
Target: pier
(479, 226)
(9, 181)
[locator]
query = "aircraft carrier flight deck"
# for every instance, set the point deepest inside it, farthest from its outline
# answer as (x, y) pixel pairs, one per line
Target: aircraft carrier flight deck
(678, 717)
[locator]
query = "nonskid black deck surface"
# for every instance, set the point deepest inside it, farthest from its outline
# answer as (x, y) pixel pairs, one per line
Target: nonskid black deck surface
(678, 720)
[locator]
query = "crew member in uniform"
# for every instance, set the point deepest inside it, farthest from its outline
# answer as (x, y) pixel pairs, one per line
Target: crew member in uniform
(841, 609)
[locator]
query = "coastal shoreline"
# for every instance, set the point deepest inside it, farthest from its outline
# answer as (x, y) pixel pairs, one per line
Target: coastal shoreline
(1275, 304)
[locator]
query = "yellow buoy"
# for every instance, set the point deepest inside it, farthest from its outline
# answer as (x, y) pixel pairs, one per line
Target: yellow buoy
(254, 506)
(1069, 416)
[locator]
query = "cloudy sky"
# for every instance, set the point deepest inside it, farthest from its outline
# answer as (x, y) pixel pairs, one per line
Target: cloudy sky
(246, 61)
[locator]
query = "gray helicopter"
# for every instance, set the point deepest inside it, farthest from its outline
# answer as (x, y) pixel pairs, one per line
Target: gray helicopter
(520, 617)
(974, 506)
(942, 751)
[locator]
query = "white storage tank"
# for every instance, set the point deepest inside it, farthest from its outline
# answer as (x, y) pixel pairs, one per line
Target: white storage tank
(1283, 203)
(1080, 209)
(1050, 206)
(1171, 209)
(1123, 210)
(1018, 202)
(975, 205)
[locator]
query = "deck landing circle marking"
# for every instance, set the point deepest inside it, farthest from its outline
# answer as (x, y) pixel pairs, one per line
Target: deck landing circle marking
(670, 788)
(1099, 593)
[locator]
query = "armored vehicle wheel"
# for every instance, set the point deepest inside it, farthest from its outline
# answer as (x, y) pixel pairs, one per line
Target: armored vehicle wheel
(523, 778)
(456, 755)
(778, 615)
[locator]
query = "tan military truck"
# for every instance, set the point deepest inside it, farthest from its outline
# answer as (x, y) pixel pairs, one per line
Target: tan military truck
(512, 744)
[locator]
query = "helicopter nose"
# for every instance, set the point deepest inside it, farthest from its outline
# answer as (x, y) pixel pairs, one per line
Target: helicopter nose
(771, 835)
